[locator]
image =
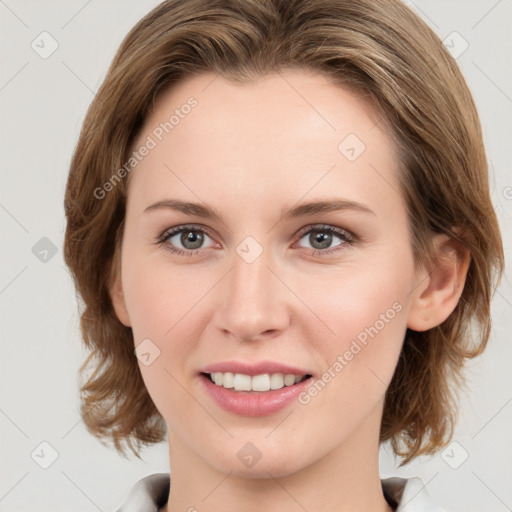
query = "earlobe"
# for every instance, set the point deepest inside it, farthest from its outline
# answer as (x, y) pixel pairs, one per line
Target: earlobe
(440, 288)
(118, 300)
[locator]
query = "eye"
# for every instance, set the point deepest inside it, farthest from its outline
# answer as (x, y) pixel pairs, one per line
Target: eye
(183, 240)
(188, 240)
(321, 239)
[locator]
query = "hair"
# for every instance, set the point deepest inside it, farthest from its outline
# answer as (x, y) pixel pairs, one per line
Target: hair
(378, 48)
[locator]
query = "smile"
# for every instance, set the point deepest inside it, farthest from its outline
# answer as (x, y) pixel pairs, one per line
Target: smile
(260, 383)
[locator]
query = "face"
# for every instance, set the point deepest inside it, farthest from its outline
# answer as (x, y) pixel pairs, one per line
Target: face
(267, 287)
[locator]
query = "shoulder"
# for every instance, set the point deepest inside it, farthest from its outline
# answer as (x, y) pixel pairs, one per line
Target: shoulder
(409, 495)
(148, 494)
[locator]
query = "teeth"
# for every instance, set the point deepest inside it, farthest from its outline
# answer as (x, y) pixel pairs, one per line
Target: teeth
(276, 381)
(228, 380)
(242, 382)
(263, 382)
(289, 380)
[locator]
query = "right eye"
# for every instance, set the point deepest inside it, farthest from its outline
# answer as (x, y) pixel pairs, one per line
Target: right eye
(183, 240)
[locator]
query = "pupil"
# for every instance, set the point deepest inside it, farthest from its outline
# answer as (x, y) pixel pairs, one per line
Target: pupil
(194, 238)
(324, 239)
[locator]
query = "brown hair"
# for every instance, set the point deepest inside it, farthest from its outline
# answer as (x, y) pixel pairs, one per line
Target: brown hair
(377, 47)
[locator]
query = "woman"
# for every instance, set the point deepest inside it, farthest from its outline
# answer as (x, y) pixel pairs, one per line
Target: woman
(280, 226)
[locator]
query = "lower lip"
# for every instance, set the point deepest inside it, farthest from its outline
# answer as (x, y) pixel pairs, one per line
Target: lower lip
(253, 403)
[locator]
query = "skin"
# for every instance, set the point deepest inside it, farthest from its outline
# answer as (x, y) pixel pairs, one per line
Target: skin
(249, 151)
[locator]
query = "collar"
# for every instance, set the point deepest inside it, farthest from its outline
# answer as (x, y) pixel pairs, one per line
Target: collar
(150, 494)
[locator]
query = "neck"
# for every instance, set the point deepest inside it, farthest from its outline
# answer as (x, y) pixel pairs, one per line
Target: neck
(344, 480)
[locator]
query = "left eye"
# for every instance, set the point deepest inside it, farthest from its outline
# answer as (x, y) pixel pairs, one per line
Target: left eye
(191, 239)
(321, 238)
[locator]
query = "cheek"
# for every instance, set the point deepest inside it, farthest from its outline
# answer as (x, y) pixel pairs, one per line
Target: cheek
(365, 314)
(158, 315)
(162, 311)
(160, 298)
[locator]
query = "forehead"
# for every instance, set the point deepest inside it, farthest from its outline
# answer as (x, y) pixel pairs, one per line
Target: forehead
(292, 132)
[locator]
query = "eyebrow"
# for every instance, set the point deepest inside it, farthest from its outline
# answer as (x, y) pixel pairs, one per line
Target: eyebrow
(301, 210)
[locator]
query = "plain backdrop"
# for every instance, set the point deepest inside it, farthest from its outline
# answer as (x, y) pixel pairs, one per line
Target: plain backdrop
(48, 460)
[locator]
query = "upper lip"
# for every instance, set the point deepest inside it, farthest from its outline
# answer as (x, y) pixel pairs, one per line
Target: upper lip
(253, 368)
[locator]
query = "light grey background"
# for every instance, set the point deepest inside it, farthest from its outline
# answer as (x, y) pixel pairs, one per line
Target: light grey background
(43, 102)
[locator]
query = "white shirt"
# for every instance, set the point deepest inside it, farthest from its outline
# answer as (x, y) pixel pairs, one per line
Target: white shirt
(150, 494)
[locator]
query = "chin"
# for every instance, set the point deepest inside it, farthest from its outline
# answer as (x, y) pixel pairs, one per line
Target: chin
(262, 469)
(252, 462)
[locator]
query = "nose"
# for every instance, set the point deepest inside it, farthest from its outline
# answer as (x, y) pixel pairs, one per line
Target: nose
(254, 302)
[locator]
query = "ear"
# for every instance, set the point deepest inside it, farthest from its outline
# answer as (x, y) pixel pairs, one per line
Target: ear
(440, 288)
(117, 297)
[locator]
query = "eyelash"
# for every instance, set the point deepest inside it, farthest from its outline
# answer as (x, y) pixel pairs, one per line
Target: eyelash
(345, 236)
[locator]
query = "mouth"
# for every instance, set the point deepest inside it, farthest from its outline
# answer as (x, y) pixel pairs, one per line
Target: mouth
(261, 383)
(253, 388)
